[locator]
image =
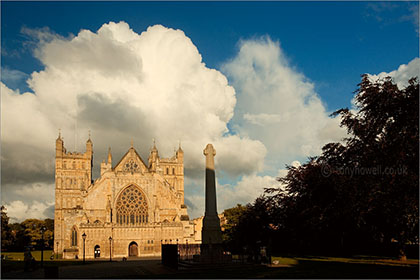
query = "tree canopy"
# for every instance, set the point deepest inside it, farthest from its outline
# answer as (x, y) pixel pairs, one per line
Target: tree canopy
(17, 236)
(6, 238)
(359, 194)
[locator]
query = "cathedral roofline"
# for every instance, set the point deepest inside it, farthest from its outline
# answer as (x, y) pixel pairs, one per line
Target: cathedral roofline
(123, 157)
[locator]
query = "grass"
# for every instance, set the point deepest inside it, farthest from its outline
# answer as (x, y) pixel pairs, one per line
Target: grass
(363, 260)
(283, 261)
(18, 263)
(359, 259)
(288, 267)
(18, 256)
(15, 260)
(321, 267)
(303, 269)
(315, 267)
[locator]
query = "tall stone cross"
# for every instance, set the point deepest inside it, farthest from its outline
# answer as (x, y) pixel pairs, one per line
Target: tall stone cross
(209, 152)
(211, 204)
(211, 232)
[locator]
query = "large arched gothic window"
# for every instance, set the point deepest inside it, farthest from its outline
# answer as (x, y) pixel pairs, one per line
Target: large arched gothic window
(132, 207)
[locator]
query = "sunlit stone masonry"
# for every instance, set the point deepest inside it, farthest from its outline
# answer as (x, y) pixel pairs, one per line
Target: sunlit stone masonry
(128, 211)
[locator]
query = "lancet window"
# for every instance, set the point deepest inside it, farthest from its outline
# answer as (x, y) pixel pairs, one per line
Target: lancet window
(74, 237)
(132, 207)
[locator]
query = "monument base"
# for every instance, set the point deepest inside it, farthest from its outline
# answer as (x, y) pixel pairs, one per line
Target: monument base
(213, 253)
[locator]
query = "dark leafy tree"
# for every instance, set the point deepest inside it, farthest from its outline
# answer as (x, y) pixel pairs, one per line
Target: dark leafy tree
(231, 240)
(385, 136)
(32, 229)
(49, 234)
(20, 238)
(232, 216)
(362, 191)
(6, 236)
(249, 227)
(17, 236)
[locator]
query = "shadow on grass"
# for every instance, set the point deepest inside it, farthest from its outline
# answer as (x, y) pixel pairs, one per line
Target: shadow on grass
(310, 269)
(305, 268)
(13, 265)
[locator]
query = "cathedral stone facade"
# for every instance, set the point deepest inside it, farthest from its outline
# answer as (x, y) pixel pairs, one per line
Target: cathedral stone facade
(129, 211)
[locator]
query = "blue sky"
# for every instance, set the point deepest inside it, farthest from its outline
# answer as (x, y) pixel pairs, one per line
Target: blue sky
(288, 66)
(332, 43)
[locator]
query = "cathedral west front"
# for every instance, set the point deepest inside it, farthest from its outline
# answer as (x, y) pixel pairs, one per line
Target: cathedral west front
(130, 210)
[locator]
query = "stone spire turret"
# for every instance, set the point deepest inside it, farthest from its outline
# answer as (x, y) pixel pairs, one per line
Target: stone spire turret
(109, 156)
(59, 145)
(89, 146)
(107, 166)
(153, 157)
(180, 153)
(89, 155)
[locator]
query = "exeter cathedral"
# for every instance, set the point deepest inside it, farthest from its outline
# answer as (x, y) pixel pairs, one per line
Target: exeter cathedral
(129, 210)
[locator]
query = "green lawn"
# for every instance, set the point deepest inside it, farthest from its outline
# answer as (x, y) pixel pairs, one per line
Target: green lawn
(361, 259)
(313, 267)
(18, 256)
(14, 260)
(285, 267)
(283, 261)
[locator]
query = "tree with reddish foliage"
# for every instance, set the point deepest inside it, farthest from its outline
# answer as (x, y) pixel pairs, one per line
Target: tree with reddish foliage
(360, 195)
(365, 190)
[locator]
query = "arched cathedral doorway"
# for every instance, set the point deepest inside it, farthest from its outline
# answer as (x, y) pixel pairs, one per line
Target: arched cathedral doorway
(97, 251)
(133, 250)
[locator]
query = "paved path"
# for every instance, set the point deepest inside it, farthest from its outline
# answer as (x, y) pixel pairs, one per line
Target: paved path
(139, 268)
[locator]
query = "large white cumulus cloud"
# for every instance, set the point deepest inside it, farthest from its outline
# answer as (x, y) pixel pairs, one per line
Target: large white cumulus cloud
(244, 191)
(22, 211)
(126, 86)
(121, 85)
(277, 104)
(400, 76)
(31, 200)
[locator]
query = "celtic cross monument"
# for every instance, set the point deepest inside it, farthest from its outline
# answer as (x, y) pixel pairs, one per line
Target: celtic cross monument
(211, 234)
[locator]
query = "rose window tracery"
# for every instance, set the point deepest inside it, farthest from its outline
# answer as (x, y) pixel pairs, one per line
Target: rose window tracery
(132, 207)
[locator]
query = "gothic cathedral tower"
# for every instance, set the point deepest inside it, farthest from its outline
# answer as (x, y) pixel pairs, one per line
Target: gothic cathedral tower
(73, 174)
